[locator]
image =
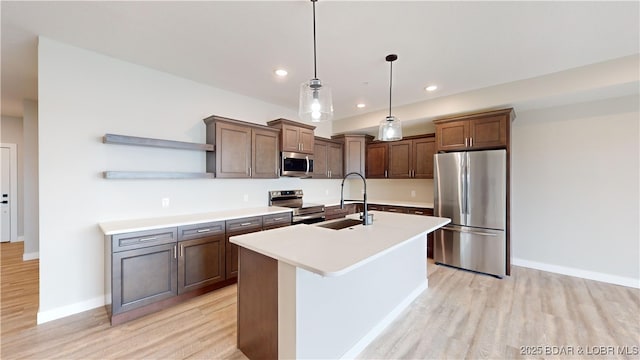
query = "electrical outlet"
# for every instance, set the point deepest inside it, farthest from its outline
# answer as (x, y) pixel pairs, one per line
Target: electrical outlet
(246, 197)
(165, 202)
(413, 193)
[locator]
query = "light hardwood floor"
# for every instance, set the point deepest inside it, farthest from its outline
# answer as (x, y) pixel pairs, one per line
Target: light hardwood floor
(461, 315)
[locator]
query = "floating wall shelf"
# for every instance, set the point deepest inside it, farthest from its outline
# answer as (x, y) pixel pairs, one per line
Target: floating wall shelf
(158, 143)
(155, 175)
(140, 141)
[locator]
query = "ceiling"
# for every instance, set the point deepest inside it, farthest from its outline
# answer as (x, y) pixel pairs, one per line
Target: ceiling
(236, 45)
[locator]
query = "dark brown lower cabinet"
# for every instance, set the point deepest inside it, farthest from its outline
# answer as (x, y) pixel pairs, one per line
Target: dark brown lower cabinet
(201, 255)
(153, 269)
(335, 212)
(200, 262)
(143, 276)
(407, 210)
(238, 227)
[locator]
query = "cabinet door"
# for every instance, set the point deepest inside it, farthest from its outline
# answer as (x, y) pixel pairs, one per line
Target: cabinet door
(307, 140)
(423, 151)
(334, 160)
(238, 227)
(320, 166)
(400, 159)
(233, 150)
(290, 138)
(488, 132)
(143, 276)
(264, 154)
(452, 135)
(200, 262)
(354, 154)
(377, 160)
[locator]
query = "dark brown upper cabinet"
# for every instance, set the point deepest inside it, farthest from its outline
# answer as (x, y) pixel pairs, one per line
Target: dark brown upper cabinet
(488, 130)
(242, 150)
(294, 136)
(411, 158)
(328, 159)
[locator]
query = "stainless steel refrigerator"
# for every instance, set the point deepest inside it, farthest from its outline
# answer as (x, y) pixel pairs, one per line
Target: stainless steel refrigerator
(470, 188)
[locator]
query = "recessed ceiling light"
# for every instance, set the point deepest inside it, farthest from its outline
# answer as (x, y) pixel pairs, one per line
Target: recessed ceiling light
(281, 72)
(431, 88)
(361, 105)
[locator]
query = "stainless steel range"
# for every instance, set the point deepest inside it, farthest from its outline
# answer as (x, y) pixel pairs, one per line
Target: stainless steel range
(303, 213)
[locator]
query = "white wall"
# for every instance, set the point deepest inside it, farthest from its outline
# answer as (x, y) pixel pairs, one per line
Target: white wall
(82, 96)
(393, 189)
(30, 183)
(575, 190)
(11, 132)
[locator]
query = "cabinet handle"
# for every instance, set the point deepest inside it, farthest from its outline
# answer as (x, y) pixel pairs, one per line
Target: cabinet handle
(278, 219)
(175, 251)
(245, 224)
(393, 210)
(249, 171)
(470, 142)
(418, 213)
(181, 249)
(385, 174)
(149, 238)
(302, 146)
(203, 230)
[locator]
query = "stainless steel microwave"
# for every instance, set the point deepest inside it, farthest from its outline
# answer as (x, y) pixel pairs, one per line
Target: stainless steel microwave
(296, 164)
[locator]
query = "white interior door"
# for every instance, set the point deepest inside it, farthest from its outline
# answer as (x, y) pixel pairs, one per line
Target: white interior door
(5, 191)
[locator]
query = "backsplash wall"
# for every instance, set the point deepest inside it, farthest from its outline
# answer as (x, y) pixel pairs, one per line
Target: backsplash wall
(393, 189)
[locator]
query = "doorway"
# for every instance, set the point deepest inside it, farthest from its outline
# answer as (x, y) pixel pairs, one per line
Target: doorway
(8, 192)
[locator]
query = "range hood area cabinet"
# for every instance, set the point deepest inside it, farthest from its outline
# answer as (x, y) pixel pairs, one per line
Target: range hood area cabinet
(487, 130)
(294, 136)
(328, 159)
(410, 158)
(242, 149)
(355, 152)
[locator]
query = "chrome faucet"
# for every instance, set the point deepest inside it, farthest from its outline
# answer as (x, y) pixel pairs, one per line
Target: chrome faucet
(365, 216)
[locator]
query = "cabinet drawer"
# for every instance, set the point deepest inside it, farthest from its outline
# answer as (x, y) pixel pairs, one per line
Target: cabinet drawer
(420, 211)
(141, 239)
(197, 231)
(375, 207)
(276, 220)
(244, 224)
(396, 209)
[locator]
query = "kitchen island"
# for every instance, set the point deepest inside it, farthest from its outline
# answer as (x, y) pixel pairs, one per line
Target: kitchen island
(312, 292)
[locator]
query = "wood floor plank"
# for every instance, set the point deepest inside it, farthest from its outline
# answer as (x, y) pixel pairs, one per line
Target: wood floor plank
(460, 315)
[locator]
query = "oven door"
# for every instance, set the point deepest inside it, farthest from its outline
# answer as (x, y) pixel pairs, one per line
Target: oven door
(296, 165)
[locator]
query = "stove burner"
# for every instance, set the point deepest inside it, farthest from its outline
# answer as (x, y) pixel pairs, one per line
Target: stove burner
(302, 212)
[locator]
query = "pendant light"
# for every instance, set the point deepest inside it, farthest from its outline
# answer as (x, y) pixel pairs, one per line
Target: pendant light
(315, 99)
(390, 127)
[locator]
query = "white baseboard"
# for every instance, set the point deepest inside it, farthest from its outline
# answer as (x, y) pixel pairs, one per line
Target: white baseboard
(64, 311)
(585, 274)
(30, 256)
(377, 330)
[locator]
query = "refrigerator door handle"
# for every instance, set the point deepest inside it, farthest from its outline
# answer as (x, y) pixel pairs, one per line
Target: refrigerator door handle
(468, 231)
(465, 188)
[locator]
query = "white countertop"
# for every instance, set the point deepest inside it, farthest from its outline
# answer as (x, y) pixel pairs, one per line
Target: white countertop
(417, 204)
(124, 226)
(329, 252)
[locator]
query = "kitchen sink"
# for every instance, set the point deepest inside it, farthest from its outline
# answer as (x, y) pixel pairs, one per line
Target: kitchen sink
(339, 224)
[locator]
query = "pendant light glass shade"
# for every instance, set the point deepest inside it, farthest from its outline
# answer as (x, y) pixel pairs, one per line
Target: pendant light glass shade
(390, 127)
(316, 103)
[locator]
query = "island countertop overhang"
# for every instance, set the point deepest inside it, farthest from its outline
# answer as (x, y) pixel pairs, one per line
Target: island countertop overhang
(328, 252)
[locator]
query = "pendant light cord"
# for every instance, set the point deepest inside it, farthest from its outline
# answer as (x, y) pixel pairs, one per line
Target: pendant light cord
(390, 82)
(315, 67)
